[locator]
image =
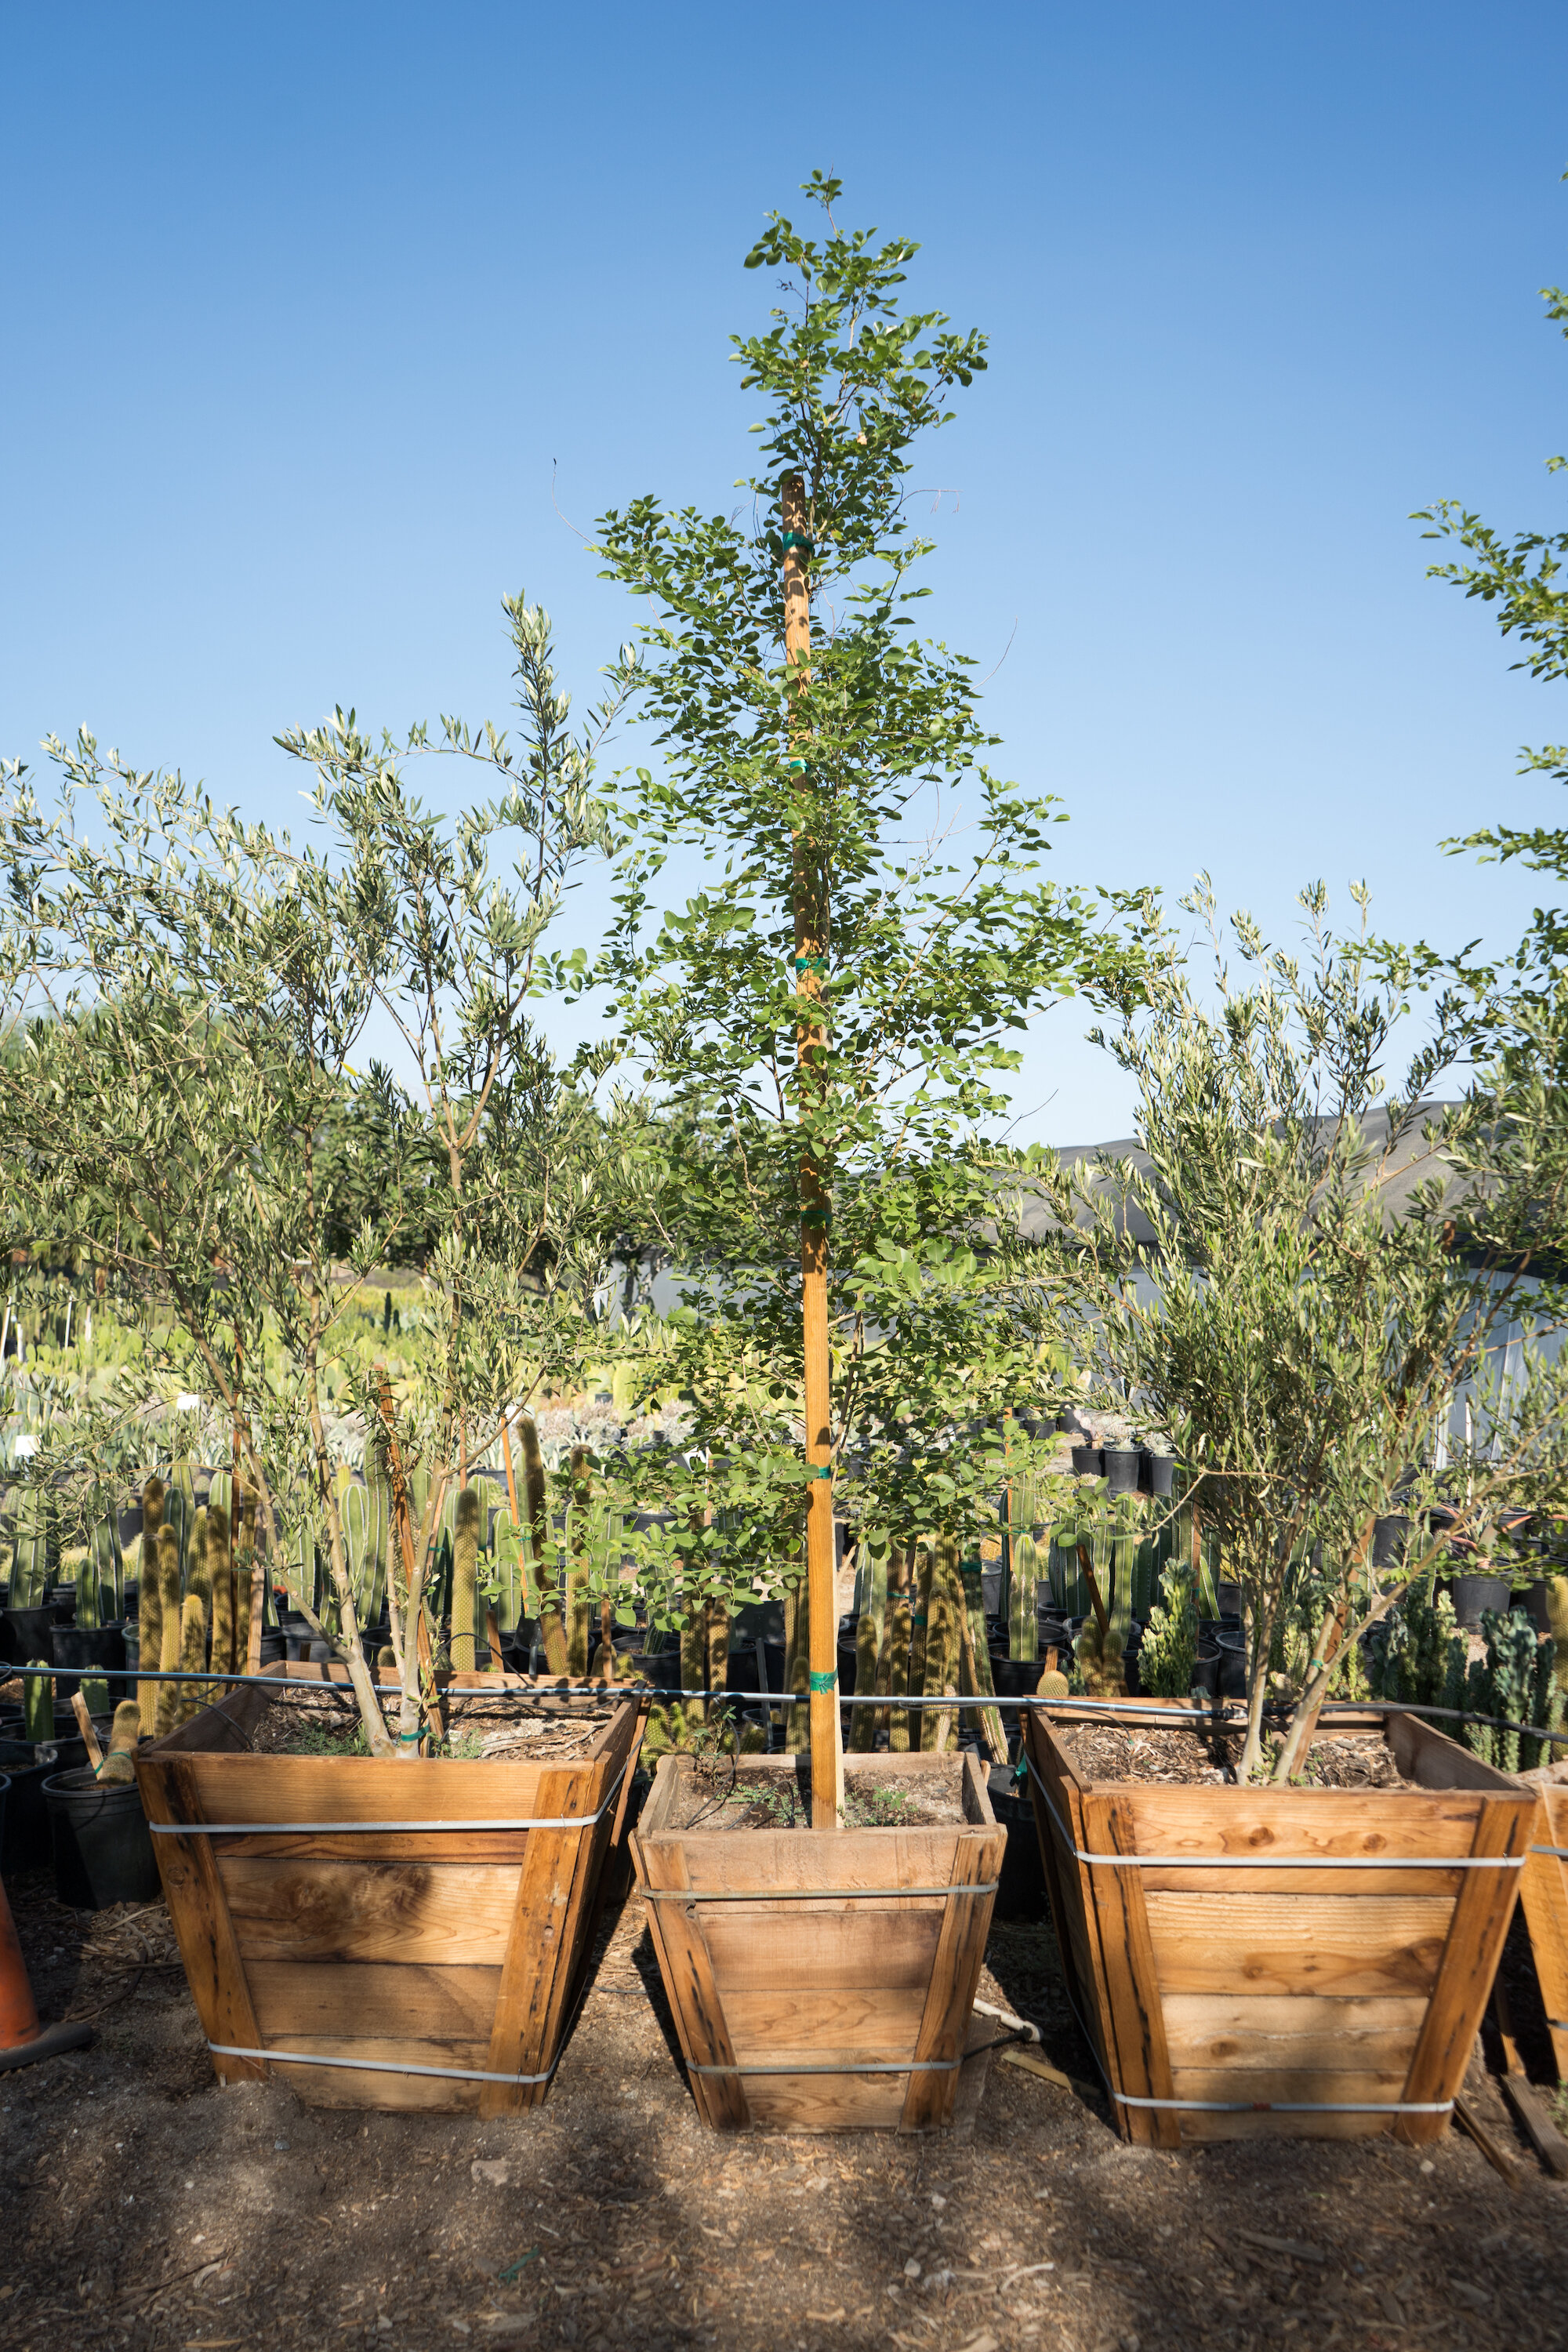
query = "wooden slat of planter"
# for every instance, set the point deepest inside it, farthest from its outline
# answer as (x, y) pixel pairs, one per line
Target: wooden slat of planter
(199, 1910)
(537, 1971)
(762, 1862)
(362, 1789)
(454, 1913)
(1200, 2130)
(1371, 1945)
(1333, 1822)
(1064, 1879)
(1141, 2068)
(688, 1972)
(1236, 2029)
(1545, 1895)
(811, 2102)
(1380, 2086)
(1432, 1760)
(504, 1847)
(294, 1998)
(955, 1972)
(1471, 1959)
(846, 2018)
(1433, 1885)
(324, 2087)
(775, 1951)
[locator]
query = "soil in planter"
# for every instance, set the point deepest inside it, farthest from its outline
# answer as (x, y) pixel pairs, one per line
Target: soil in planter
(1111, 1751)
(312, 1724)
(727, 1796)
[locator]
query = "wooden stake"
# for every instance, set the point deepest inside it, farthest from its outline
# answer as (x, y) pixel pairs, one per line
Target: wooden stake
(432, 1705)
(84, 1724)
(811, 935)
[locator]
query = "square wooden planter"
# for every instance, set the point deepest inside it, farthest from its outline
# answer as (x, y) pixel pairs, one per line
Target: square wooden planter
(1306, 1962)
(367, 1959)
(822, 1981)
(1544, 1893)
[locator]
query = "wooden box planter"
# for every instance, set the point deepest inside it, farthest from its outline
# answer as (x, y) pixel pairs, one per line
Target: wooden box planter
(814, 1988)
(1544, 1893)
(368, 1960)
(1227, 1997)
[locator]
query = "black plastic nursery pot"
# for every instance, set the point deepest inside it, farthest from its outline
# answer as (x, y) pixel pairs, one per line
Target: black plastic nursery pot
(99, 1647)
(102, 1850)
(1205, 1667)
(25, 1635)
(27, 1836)
(1021, 1883)
(1121, 1465)
(1086, 1461)
(62, 1601)
(1158, 1474)
(1474, 1593)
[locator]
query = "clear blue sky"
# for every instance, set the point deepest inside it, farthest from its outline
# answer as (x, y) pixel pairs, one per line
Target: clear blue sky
(303, 305)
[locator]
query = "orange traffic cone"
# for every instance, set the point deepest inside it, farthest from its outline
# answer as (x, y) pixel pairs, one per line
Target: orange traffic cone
(22, 2040)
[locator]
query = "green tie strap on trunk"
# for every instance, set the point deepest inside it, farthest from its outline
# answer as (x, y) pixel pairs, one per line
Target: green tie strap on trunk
(824, 1683)
(819, 1469)
(811, 963)
(797, 542)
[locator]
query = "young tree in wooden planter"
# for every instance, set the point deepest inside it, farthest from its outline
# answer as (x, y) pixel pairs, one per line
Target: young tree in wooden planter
(416, 1937)
(1330, 1266)
(829, 1022)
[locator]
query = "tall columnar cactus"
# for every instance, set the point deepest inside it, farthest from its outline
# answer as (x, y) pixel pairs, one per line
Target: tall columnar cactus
(244, 1562)
(149, 1605)
(170, 1642)
(901, 1614)
(1557, 1618)
(578, 1564)
(30, 1560)
(119, 1764)
(870, 1634)
(464, 1580)
(220, 1576)
(195, 1620)
(536, 1517)
(943, 1643)
(1503, 1683)
(38, 1702)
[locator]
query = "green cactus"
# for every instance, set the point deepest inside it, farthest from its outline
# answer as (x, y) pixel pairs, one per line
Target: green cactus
(38, 1702)
(220, 1578)
(900, 1622)
(464, 1580)
(578, 1566)
(119, 1763)
(943, 1641)
(536, 1520)
(511, 1600)
(168, 1714)
(34, 1555)
(1505, 1683)
(871, 1637)
(1169, 1651)
(149, 1605)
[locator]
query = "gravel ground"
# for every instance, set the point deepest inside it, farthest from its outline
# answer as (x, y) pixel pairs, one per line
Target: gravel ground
(144, 2207)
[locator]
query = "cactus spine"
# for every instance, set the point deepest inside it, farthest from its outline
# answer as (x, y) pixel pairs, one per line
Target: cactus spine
(150, 1606)
(464, 1580)
(220, 1575)
(169, 1648)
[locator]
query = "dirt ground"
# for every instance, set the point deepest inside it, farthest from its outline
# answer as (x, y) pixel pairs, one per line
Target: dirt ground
(144, 2207)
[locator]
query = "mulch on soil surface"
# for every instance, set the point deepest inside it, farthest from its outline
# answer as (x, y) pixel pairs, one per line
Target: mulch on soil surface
(147, 2209)
(314, 1722)
(1113, 1751)
(729, 1795)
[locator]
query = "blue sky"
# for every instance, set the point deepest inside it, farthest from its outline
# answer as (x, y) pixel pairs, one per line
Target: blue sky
(304, 308)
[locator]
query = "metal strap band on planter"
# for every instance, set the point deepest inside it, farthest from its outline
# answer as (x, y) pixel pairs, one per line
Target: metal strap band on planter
(805, 1895)
(872, 2067)
(371, 2065)
(381, 1829)
(1560, 1852)
(1273, 1860)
